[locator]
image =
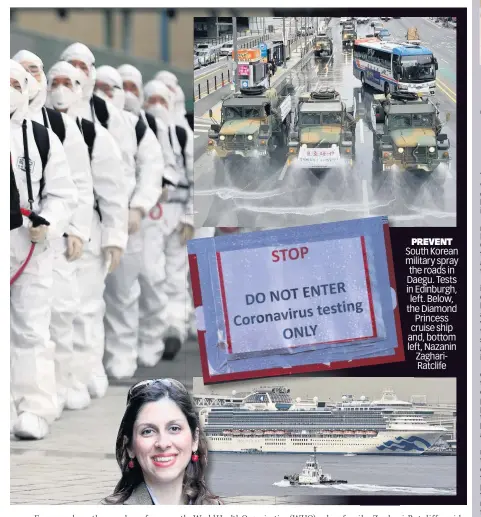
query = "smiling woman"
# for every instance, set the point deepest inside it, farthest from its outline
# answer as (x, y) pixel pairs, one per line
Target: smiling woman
(161, 449)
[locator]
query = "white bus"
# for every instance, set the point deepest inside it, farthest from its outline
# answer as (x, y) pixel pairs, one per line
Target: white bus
(395, 66)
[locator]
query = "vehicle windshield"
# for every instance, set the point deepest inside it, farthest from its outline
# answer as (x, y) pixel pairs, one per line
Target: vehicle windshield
(236, 112)
(423, 120)
(202, 45)
(417, 69)
(227, 45)
(399, 121)
(316, 119)
(201, 52)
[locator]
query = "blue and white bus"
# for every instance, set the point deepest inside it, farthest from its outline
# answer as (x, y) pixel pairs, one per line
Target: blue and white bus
(388, 66)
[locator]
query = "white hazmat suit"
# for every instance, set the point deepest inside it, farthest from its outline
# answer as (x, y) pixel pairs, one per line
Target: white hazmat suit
(164, 313)
(33, 384)
(108, 224)
(122, 287)
(69, 247)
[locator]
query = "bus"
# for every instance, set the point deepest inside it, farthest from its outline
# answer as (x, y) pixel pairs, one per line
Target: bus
(395, 66)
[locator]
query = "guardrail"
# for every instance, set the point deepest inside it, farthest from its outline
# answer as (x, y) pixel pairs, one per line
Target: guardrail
(240, 35)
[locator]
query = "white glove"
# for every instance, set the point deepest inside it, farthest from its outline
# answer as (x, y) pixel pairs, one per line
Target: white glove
(112, 254)
(186, 232)
(135, 219)
(38, 234)
(75, 247)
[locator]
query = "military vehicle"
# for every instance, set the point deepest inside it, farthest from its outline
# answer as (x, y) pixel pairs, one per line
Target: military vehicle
(407, 133)
(254, 125)
(412, 36)
(323, 46)
(349, 35)
(324, 132)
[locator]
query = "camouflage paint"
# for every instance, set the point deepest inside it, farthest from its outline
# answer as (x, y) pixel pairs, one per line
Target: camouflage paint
(316, 134)
(413, 137)
(246, 126)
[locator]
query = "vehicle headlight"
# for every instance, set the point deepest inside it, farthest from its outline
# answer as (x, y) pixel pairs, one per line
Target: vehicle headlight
(222, 137)
(250, 137)
(400, 150)
(333, 146)
(432, 149)
(304, 146)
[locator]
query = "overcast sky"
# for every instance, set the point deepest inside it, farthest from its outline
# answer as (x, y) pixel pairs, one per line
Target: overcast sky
(333, 388)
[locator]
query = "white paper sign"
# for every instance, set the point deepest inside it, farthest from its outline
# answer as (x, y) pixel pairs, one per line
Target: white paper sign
(296, 295)
(319, 157)
(286, 107)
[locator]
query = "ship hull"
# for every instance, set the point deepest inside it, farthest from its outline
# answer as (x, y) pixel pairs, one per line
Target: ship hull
(399, 443)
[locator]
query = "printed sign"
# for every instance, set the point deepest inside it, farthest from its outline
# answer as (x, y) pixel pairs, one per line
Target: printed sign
(244, 84)
(319, 157)
(243, 70)
(281, 297)
(286, 107)
(263, 49)
(247, 55)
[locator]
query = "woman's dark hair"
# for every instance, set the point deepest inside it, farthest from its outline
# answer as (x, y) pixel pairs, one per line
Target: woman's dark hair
(194, 485)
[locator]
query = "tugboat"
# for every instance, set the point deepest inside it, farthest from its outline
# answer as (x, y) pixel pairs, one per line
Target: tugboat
(312, 475)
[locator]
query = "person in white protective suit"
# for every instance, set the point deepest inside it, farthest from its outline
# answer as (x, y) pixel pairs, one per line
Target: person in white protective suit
(82, 375)
(37, 160)
(122, 287)
(153, 296)
(163, 323)
(69, 247)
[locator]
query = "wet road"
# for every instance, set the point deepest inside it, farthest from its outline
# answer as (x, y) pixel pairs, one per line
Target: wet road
(278, 198)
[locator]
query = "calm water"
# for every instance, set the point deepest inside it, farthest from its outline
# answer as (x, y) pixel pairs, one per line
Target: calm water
(263, 475)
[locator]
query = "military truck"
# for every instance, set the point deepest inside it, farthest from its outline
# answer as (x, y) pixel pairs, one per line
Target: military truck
(349, 35)
(254, 125)
(412, 36)
(324, 132)
(407, 133)
(322, 45)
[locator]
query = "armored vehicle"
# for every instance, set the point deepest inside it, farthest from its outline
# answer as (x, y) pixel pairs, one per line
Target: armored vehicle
(324, 132)
(408, 134)
(349, 35)
(323, 46)
(254, 124)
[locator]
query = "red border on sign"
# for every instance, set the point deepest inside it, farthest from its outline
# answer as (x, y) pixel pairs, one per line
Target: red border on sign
(397, 357)
(224, 302)
(335, 342)
(368, 286)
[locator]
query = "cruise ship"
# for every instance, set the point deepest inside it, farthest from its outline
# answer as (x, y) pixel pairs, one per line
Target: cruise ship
(269, 421)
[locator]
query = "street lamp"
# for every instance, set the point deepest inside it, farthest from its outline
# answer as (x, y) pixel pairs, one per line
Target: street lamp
(234, 46)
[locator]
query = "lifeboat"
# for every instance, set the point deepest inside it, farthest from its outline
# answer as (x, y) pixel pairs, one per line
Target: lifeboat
(280, 432)
(259, 433)
(247, 433)
(236, 432)
(227, 432)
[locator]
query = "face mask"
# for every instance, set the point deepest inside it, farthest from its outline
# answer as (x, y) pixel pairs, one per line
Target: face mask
(62, 97)
(33, 88)
(132, 102)
(119, 99)
(103, 96)
(157, 110)
(16, 99)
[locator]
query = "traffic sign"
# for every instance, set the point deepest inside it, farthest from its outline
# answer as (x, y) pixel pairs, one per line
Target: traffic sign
(244, 84)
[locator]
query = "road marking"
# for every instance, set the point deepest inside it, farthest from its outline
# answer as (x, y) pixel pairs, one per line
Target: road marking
(360, 100)
(283, 171)
(215, 112)
(362, 130)
(197, 130)
(446, 93)
(446, 86)
(444, 60)
(196, 136)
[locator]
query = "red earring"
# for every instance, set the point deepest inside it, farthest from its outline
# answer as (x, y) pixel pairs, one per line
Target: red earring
(131, 464)
(195, 457)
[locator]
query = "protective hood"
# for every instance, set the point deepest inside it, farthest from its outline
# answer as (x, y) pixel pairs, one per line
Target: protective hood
(179, 107)
(81, 52)
(153, 88)
(19, 100)
(108, 74)
(167, 78)
(413, 137)
(132, 102)
(57, 99)
(320, 134)
(241, 127)
(37, 90)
